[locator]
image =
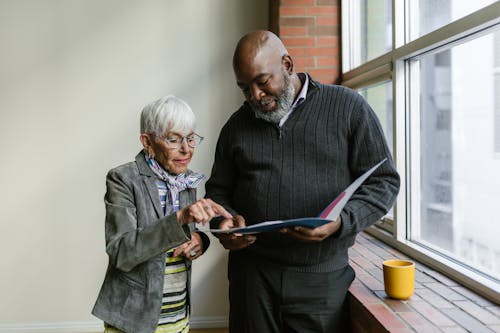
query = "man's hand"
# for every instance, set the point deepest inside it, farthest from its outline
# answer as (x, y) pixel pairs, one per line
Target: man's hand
(234, 241)
(313, 235)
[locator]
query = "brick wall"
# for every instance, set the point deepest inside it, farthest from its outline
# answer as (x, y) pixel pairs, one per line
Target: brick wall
(310, 29)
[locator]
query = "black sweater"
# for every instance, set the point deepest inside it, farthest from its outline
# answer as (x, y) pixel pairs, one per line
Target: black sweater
(265, 173)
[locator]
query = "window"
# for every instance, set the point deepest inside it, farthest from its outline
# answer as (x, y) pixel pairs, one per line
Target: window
(436, 90)
(429, 15)
(496, 64)
(370, 34)
(379, 96)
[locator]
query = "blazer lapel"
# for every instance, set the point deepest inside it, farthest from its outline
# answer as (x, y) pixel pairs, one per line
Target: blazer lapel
(150, 182)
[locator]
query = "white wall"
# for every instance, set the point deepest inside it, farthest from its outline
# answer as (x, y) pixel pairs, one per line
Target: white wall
(74, 75)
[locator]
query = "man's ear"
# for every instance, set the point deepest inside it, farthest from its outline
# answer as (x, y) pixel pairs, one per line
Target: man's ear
(287, 62)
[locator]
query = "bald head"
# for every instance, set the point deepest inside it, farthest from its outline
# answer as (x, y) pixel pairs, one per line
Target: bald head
(257, 44)
(264, 72)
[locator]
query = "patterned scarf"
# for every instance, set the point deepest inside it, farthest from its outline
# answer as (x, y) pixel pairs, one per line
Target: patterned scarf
(175, 183)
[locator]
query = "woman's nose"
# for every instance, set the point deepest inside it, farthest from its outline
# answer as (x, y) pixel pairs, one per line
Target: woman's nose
(184, 145)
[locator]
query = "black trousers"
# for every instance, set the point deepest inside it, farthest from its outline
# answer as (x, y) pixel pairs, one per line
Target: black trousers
(268, 298)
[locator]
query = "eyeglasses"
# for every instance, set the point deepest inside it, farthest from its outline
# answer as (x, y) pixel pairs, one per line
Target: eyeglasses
(175, 142)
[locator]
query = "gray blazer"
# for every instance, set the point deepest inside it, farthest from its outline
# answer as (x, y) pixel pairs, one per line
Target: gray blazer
(137, 237)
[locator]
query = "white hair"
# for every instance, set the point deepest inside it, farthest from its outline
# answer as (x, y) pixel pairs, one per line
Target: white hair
(167, 114)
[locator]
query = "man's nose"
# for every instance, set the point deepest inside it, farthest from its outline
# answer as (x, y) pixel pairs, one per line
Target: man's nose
(256, 93)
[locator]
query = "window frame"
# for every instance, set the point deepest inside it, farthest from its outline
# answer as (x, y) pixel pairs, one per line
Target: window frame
(394, 66)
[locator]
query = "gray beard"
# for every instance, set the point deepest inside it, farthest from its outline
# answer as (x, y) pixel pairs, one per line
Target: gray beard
(283, 103)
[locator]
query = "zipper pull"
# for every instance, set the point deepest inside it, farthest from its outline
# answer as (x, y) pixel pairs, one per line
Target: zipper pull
(280, 133)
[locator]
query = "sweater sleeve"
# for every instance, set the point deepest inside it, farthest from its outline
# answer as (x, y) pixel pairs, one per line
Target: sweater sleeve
(367, 147)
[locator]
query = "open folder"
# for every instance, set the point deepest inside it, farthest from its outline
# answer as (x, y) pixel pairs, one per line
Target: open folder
(329, 214)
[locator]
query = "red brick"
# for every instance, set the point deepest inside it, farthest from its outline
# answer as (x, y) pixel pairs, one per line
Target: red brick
(332, 51)
(455, 329)
(418, 323)
(465, 320)
(423, 278)
(293, 31)
(363, 294)
(298, 51)
(297, 2)
(326, 2)
(431, 313)
(473, 296)
(323, 10)
(445, 291)
(292, 11)
(376, 272)
(298, 41)
(323, 30)
(303, 62)
(495, 328)
(368, 280)
(432, 298)
(362, 320)
(296, 21)
(396, 253)
(386, 317)
(440, 277)
(494, 309)
(353, 252)
(327, 61)
(365, 264)
(478, 312)
(327, 79)
(327, 41)
(397, 305)
(327, 20)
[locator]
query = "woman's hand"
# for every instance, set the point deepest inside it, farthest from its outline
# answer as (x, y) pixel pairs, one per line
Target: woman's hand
(201, 211)
(192, 249)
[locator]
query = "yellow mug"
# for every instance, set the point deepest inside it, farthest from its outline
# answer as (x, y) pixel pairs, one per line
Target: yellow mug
(399, 278)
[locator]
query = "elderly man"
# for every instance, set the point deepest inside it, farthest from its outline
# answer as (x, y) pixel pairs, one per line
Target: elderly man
(288, 151)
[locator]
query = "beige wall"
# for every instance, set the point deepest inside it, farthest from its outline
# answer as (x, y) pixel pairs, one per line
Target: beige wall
(74, 75)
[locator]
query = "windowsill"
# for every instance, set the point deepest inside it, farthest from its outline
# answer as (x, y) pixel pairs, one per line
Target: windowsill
(439, 304)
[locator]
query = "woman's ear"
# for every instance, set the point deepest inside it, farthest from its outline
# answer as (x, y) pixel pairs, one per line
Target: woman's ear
(146, 143)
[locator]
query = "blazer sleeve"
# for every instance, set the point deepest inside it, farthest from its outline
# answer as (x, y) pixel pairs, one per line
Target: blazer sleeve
(133, 232)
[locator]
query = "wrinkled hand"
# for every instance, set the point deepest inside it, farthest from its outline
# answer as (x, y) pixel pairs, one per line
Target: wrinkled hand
(313, 235)
(191, 249)
(234, 241)
(201, 211)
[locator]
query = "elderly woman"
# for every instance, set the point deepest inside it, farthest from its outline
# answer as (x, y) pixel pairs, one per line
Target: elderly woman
(150, 235)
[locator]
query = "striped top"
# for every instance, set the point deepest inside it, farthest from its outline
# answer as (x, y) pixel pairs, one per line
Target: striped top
(174, 315)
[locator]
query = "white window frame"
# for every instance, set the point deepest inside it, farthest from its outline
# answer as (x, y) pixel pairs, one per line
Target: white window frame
(394, 66)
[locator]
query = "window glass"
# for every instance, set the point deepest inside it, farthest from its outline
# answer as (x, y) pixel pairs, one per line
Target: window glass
(380, 99)
(370, 31)
(429, 15)
(456, 176)
(496, 65)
